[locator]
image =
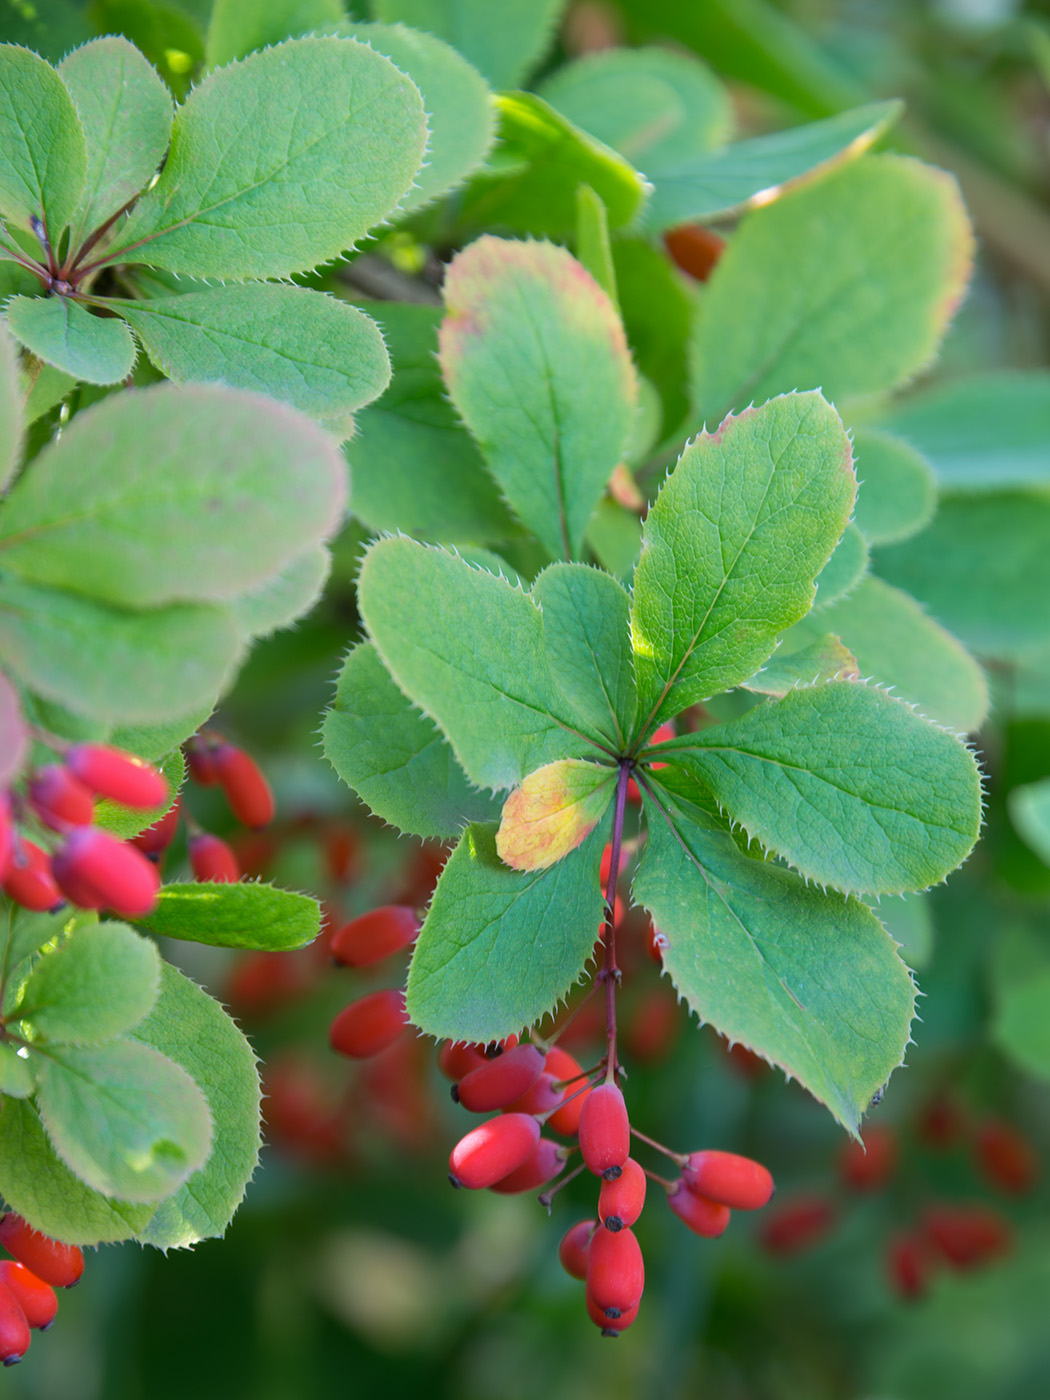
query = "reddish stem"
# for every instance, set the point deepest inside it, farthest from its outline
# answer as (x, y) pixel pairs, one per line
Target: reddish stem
(610, 973)
(677, 1157)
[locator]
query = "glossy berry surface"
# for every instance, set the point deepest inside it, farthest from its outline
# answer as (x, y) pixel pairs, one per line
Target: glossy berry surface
(620, 1201)
(60, 1265)
(120, 776)
(738, 1182)
(374, 936)
(14, 1329)
(499, 1082)
(704, 1217)
(494, 1150)
(35, 1297)
(572, 1251)
(369, 1025)
(605, 1132)
(96, 871)
(615, 1270)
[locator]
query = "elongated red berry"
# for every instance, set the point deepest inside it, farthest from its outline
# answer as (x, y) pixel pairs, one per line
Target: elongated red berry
(35, 1297)
(575, 1091)
(159, 836)
(869, 1166)
(968, 1235)
(704, 1217)
(60, 1265)
(59, 798)
(615, 1271)
(543, 1166)
(494, 1150)
(736, 1181)
(499, 1082)
(14, 1329)
(544, 1097)
(574, 1246)
(200, 760)
(247, 791)
(620, 1201)
(612, 1321)
(605, 1131)
(29, 881)
(695, 249)
(367, 1026)
(907, 1266)
(96, 871)
(1007, 1160)
(457, 1058)
(117, 775)
(211, 859)
(797, 1225)
(7, 834)
(374, 936)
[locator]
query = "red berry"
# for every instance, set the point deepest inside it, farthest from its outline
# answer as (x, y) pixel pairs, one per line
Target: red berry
(695, 249)
(941, 1124)
(544, 1097)
(247, 791)
(374, 936)
(60, 1265)
(457, 1058)
(797, 1225)
(29, 881)
(260, 983)
(59, 799)
(605, 869)
(14, 1329)
(869, 1166)
(653, 1025)
(573, 1248)
(615, 1271)
(211, 859)
(611, 1326)
(544, 1164)
(200, 760)
(159, 836)
(497, 1083)
(665, 732)
(968, 1235)
(7, 834)
(906, 1266)
(605, 1131)
(1006, 1158)
(620, 1201)
(369, 1025)
(117, 775)
(736, 1181)
(35, 1297)
(575, 1093)
(494, 1150)
(96, 871)
(704, 1217)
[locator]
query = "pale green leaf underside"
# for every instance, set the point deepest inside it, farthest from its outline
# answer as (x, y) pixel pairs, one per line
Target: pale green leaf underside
(243, 915)
(11, 417)
(1030, 814)
(469, 650)
(235, 29)
(313, 351)
(42, 163)
(284, 597)
(193, 1030)
(807, 980)
(844, 570)
(847, 784)
(97, 984)
(593, 244)
(96, 349)
(279, 162)
(537, 364)
(399, 764)
(14, 737)
(897, 494)
(499, 947)
(732, 547)
(232, 488)
(503, 42)
(825, 659)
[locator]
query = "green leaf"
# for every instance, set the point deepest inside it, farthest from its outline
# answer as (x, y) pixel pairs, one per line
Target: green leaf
(1030, 814)
(896, 644)
(503, 42)
(909, 922)
(459, 106)
(158, 664)
(50, 387)
(244, 915)
(16, 1074)
(127, 822)
(658, 305)
(659, 108)
(500, 947)
(127, 1120)
(313, 351)
(984, 432)
(14, 737)
(397, 762)
(63, 332)
(23, 933)
(532, 176)
(586, 628)
(824, 660)
(280, 162)
(233, 487)
(413, 467)
(42, 160)
(998, 541)
(537, 364)
(593, 247)
(193, 1030)
(554, 810)
(126, 113)
(288, 595)
(36, 1183)
(809, 981)
(11, 416)
(713, 184)
(97, 984)
(236, 30)
(471, 655)
(732, 547)
(1021, 1027)
(897, 492)
(848, 283)
(156, 741)
(615, 536)
(847, 784)
(844, 570)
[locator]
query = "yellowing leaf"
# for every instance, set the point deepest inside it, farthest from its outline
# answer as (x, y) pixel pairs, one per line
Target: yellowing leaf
(555, 809)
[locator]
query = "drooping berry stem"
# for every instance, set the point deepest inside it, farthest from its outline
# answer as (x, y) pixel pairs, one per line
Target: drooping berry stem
(610, 973)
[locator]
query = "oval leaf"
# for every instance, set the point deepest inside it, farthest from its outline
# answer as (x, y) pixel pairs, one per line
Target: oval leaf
(244, 915)
(555, 809)
(42, 156)
(61, 331)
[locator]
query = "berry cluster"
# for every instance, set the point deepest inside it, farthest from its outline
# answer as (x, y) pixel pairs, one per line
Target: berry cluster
(27, 1285)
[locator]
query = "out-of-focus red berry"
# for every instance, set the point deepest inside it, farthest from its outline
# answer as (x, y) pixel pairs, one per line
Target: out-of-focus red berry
(907, 1266)
(120, 776)
(212, 861)
(374, 936)
(695, 249)
(159, 836)
(29, 881)
(369, 1025)
(59, 798)
(247, 791)
(1007, 1160)
(968, 1235)
(797, 1225)
(96, 871)
(869, 1166)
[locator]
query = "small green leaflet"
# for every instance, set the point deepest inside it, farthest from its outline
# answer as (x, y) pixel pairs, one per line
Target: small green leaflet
(826, 659)
(848, 785)
(14, 738)
(500, 947)
(233, 487)
(313, 351)
(809, 981)
(394, 758)
(244, 915)
(22, 933)
(537, 364)
(844, 570)
(42, 157)
(1030, 814)
(236, 29)
(897, 495)
(96, 349)
(279, 162)
(732, 547)
(504, 42)
(593, 245)
(16, 1074)
(11, 418)
(554, 810)
(193, 1030)
(126, 113)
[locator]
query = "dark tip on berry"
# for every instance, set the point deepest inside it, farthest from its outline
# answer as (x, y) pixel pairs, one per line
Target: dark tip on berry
(614, 1313)
(47, 1326)
(59, 904)
(609, 1332)
(454, 1093)
(455, 1182)
(12, 1360)
(613, 1223)
(612, 1173)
